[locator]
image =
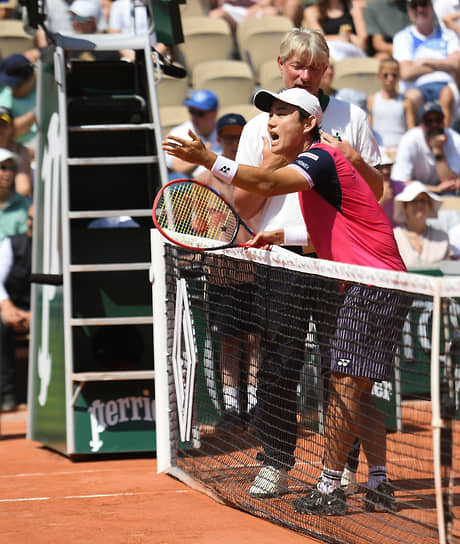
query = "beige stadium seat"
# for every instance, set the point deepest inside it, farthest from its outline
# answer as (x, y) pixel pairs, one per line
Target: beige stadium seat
(248, 111)
(172, 91)
(357, 73)
(231, 80)
(259, 39)
(13, 38)
(270, 77)
(171, 116)
(205, 39)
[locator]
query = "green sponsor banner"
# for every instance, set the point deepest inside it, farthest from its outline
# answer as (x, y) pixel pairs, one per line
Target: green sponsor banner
(115, 417)
(47, 396)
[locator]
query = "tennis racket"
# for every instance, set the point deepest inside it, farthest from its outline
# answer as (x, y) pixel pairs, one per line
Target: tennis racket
(193, 215)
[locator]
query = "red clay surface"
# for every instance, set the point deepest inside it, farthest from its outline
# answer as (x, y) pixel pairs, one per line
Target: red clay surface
(45, 498)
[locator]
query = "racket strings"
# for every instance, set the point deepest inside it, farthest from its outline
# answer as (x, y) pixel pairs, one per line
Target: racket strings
(196, 210)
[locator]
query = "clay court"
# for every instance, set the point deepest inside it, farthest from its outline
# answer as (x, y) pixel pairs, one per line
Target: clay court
(47, 498)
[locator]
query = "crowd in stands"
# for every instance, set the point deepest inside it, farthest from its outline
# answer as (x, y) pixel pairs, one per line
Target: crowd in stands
(414, 111)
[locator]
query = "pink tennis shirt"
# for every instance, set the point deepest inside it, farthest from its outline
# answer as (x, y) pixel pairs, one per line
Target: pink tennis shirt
(343, 218)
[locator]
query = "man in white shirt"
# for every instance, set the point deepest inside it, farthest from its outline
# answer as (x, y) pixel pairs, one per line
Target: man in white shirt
(430, 153)
(428, 56)
(304, 56)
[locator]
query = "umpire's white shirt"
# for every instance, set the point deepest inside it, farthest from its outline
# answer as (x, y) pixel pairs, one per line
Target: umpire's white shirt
(340, 118)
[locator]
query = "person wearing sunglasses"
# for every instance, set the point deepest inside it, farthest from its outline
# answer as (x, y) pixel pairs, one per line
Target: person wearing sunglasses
(430, 153)
(13, 206)
(202, 107)
(429, 56)
(390, 113)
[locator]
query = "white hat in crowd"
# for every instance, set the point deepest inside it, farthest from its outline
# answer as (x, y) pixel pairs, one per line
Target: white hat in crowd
(410, 193)
(6, 154)
(296, 97)
(86, 8)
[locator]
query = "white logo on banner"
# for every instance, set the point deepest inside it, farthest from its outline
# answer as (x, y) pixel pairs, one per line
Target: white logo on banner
(51, 259)
(184, 359)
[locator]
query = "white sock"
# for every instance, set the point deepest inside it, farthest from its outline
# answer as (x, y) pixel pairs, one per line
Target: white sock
(252, 396)
(231, 398)
(329, 480)
(376, 475)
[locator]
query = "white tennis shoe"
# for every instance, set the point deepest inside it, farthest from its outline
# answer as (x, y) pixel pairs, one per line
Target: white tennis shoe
(348, 482)
(270, 482)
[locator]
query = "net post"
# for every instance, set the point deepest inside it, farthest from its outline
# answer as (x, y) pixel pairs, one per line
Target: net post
(160, 352)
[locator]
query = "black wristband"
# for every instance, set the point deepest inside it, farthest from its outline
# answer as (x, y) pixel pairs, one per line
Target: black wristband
(438, 157)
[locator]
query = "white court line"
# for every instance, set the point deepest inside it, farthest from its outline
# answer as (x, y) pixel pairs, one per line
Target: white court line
(27, 474)
(97, 496)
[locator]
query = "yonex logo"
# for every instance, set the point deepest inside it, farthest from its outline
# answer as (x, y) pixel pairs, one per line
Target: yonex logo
(343, 362)
(225, 169)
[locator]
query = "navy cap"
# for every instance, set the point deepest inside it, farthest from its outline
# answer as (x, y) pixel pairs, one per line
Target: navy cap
(203, 100)
(230, 120)
(14, 70)
(427, 108)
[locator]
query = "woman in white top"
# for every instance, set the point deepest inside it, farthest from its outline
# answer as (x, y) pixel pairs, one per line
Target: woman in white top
(419, 243)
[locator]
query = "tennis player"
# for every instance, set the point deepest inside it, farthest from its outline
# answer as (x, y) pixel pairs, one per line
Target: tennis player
(341, 215)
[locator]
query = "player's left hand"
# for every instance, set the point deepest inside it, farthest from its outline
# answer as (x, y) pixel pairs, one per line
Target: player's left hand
(264, 240)
(341, 145)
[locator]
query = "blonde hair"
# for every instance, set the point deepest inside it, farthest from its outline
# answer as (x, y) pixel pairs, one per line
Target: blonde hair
(307, 44)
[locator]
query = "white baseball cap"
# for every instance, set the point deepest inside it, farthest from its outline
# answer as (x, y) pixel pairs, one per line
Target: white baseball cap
(6, 154)
(86, 8)
(296, 97)
(410, 193)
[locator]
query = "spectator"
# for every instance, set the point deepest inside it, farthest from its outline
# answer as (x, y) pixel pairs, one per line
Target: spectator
(235, 11)
(17, 74)
(234, 292)
(390, 114)
(13, 206)
(328, 78)
(447, 13)
(418, 242)
(430, 153)
(449, 100)
(120, 22)
(342, 24)
(202, 106)
(391, 187)
(15, 266)
(428, 56)
(57, 20)
(384, 18)
(454, 242)
(22, 180)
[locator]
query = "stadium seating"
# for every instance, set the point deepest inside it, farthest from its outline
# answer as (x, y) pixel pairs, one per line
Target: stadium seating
(13, 39)
(357, 73)
(248, 111)
(192, 8)
(259, 39)
(205, 39)
(270, 76)
(172, 91)
(231, 80)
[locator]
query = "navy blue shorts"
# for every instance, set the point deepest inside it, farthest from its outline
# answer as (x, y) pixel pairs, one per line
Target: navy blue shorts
(369, 328)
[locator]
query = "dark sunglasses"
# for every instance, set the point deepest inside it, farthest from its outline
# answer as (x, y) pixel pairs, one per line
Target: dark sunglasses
(197, 113)
(7, 167)
(418, 4)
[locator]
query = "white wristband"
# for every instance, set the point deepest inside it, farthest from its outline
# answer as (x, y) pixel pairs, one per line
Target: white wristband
(224, 169)
(295, 236)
